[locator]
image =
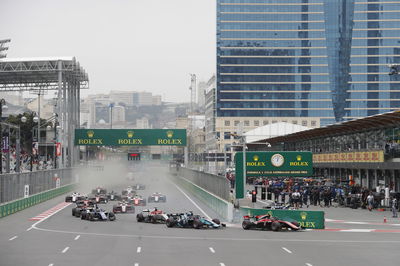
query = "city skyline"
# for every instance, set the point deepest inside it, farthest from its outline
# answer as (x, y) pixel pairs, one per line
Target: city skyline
(125, 45)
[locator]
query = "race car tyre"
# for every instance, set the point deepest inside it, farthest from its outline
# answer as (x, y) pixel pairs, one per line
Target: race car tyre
(73, 212)
(111, 216)
(77, 213)
(153, 220)
(197, 224)
(217, 221)
(83, 216)
(90, 217)
(246, 225)
(276, 226)
(170, 222)
(140, 217)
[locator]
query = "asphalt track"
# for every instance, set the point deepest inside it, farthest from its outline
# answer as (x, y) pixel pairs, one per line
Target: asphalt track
(64, 240)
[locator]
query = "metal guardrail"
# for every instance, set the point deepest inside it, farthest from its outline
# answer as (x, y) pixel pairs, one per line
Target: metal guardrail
(215, 184)
(12, 186)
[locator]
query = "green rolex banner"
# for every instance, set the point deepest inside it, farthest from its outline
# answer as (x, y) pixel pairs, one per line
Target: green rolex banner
(130, 137)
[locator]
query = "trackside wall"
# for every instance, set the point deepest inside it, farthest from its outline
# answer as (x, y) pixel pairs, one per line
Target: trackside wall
(219, 205)
(18, 205)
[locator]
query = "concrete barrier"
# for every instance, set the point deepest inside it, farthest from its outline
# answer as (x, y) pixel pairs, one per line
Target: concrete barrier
(307, 219)
(219, 205)
(18, 205)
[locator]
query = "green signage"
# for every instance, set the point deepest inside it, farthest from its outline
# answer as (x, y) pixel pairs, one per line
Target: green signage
(274, 163)
(130, 137)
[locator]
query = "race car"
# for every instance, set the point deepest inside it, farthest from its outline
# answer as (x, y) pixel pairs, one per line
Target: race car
(74, 197)
(128, 190)
(123, 207)
(267, 222)
(157, 197)
(139, 187)
(82, 205)
(99, 190)
(113, 196)
(99, 198)
(96, 214)
(138, 201)
(189, 220)
(152, 216)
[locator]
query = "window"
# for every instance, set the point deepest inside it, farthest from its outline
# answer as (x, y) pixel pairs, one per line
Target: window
(227, 123)
(313, 123)
(236, 123)
(265, 122)
(294, 122)
(274, 121)
(246, 123)
(256, 123)
(304, 123)
(227, 135)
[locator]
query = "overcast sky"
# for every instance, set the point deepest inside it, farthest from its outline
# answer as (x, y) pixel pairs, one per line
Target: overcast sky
(138, 45)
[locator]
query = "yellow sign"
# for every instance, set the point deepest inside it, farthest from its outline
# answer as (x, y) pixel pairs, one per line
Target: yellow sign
(348, 157)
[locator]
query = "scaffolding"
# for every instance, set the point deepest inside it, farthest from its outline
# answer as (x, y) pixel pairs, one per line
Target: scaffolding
(61, 74)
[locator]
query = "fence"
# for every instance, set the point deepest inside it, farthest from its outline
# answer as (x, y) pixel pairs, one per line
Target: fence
(13, 186)
(18, 205)
(218, 185)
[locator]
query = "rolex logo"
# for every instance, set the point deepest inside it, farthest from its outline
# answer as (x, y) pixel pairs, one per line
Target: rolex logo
(298, 157)
(303, 215)
(130, 134)
(255, 158)
(90, 134)
(170, 134)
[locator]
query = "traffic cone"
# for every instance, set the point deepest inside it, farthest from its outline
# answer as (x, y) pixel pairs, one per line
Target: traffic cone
(384, 219)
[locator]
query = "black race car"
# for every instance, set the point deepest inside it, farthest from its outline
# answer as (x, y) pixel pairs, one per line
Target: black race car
(267, 222)
(82, 205)
(113, 196)
(157, 197)
(189, 220)
(96, 214)
(123, 207)
(74, 197)
(152, 216)
(139, 187)
(99, 190)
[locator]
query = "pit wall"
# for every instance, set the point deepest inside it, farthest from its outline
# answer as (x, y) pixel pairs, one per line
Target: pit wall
(18, 205)
(307, 219)
(219, 205)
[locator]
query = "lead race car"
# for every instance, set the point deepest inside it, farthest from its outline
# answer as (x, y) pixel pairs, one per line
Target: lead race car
(157, 197)
(82, 205)
(138, 200)
(267, 222)
(123, 207)
(99, 198)
(189, 220)
(152, 216)
(113, 196)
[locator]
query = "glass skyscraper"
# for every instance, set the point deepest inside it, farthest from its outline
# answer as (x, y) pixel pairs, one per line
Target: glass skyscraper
(326, 59)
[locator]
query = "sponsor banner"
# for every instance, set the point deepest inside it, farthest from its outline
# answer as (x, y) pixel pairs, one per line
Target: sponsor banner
(130, 137)
(6, 144)
(348, 157)
(58, 149)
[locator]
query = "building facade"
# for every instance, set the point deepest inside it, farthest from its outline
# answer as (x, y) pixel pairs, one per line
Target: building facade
(324, 60)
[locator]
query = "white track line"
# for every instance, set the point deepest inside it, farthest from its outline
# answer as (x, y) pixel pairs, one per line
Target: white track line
(308, 264)
(212, 250)
(12, 238)
(51, 264)
(44, 219)
(287, 250)
(136, 264)
(77, 237)
(221, 264)
(194, 203)
(138, 250)
(65, 250)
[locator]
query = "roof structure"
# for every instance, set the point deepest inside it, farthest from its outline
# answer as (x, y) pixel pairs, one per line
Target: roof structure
(273, 130)
(19, 74)
(390, 119)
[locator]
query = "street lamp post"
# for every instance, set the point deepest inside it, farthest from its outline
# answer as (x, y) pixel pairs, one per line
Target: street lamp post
(4, 107)
(111, 116)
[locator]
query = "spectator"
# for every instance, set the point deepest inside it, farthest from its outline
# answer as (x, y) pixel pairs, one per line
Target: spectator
(370, 201)
(394, 207)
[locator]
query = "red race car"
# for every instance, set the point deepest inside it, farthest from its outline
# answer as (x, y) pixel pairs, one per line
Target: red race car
(267, 222)
(123, 207)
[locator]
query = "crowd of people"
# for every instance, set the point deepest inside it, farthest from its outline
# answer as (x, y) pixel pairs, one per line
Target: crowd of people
(38, 163)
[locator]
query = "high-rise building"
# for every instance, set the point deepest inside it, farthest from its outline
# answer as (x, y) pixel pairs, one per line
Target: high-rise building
(321, 60)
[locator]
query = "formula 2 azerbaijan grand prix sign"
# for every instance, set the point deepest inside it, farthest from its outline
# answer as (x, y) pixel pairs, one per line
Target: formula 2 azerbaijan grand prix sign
(272, 164)
(130, 137)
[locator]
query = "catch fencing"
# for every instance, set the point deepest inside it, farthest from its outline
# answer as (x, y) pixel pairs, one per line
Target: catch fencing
(19, 185)
(218, 185)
